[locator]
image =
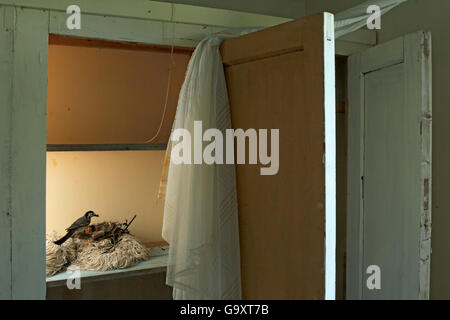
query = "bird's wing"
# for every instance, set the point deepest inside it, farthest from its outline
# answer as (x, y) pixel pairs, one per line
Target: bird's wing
(80, 222)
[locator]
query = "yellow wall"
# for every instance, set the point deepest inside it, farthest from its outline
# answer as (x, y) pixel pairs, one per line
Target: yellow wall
(99, 95)
(108, 93)
(115, 184)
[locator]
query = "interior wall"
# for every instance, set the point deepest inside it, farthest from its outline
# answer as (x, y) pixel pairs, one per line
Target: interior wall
(114, 184)
(102, 92)
(104, 95)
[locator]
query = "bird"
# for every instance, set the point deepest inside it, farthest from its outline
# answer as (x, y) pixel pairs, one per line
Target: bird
(80, 223)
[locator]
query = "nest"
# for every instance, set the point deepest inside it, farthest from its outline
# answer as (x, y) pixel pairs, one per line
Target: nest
(104, 246)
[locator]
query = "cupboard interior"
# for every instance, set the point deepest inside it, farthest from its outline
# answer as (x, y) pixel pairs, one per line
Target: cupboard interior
(108, 95)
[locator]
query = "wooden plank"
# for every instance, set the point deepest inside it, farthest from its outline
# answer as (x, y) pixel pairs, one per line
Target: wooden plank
(281, 39)
(329, 159)
(355, 42)
(111, 28)
(288, 93)
(155, 10)
(155, 264)
(418, 86)
(7, 16)
(105, 147)
(383, 55)
(55, 39)
(155, 31)
(347, 48)
(362, 36)
(28, 154)
(189, 20)
(114, 96)
(133, 30)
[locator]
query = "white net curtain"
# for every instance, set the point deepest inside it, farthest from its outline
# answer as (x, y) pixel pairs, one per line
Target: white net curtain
(200, 212)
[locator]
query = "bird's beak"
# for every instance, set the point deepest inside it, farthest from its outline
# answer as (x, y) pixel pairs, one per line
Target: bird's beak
(95, 215)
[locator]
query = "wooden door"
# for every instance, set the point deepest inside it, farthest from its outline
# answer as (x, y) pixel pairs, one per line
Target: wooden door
(389, 170)
(283, 78)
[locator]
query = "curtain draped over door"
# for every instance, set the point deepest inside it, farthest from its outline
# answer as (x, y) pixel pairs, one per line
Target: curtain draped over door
(200, 211)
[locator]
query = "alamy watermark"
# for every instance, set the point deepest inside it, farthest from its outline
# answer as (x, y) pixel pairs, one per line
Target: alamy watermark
(74, 279)
(374, 280)
(213, 153)
(374, 20)
(74, 20)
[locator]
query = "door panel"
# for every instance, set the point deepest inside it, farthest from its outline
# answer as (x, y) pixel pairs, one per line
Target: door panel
(389, 183)
(283, 78)
(387, 104)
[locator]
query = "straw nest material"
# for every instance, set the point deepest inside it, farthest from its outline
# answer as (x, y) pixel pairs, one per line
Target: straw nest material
(87, 253)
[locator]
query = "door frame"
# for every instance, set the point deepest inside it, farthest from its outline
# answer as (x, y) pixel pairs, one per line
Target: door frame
(414, 50)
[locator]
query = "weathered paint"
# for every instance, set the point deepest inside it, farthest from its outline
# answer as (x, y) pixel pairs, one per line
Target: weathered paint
(426, 173)
(156, 11)
(409, 149)
(7, 18)
(28, 139)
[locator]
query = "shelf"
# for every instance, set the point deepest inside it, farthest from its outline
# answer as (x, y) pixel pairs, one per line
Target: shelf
(105, 147)
(155, 264)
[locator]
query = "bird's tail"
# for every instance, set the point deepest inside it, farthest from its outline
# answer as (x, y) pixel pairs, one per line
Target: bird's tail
(64, 239)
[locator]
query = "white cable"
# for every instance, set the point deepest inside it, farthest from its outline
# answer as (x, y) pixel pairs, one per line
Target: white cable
(168, 80)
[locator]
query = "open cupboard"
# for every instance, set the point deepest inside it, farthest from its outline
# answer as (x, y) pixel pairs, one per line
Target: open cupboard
(109, 100)
(283, 238)
(106, 99)
(31, 166)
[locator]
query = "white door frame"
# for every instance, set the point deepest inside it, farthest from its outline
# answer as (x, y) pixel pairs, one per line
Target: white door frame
(413, 50)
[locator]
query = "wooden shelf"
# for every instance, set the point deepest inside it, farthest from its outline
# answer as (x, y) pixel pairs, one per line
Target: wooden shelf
(105, 147)
(155, 264)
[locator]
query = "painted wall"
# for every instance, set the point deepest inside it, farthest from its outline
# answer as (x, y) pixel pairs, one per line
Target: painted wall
(115, 184)
(107, 95)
